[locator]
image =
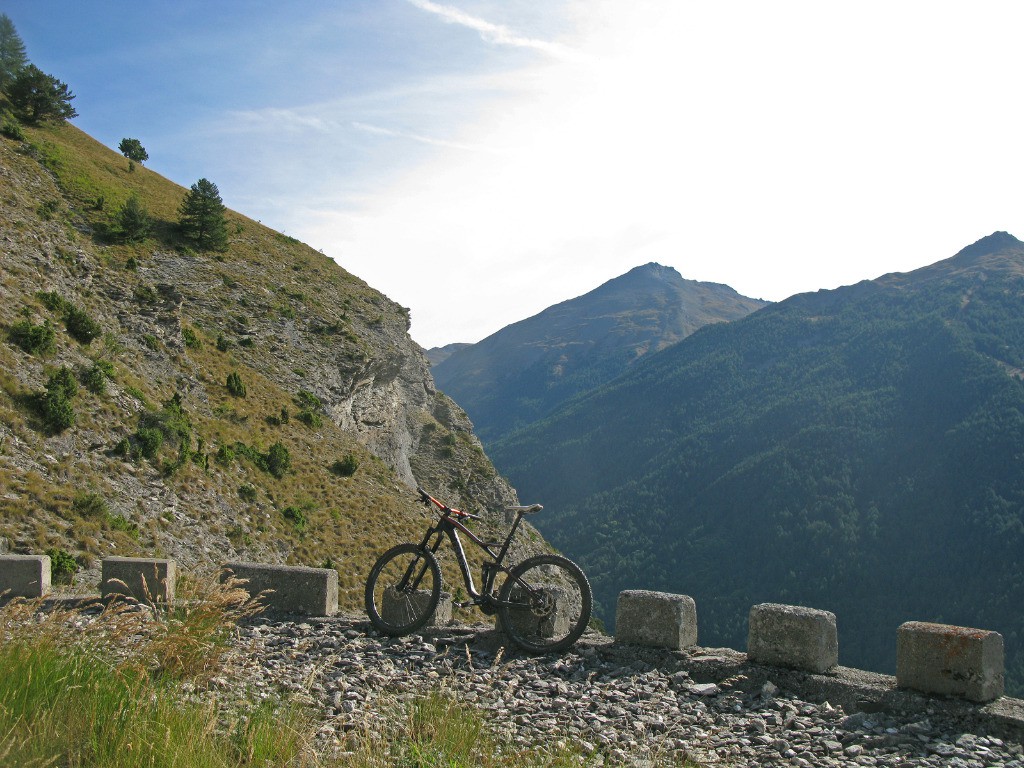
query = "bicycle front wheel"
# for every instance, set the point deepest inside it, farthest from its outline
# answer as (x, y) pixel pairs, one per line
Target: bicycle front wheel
(545, 604)
(403, 589)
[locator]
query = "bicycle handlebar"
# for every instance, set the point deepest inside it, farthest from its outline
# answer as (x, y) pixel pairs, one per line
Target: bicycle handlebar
(426, 498)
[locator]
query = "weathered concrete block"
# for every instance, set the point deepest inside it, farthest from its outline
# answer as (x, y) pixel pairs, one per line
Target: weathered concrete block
(656, 619)
(148, 580)
(793, 636)
(289, 588)
(397, 610)
(24, 575)
(556, 624)
(949, 660)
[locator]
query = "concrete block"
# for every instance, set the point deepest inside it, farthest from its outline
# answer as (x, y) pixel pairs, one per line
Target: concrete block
(289, 588)
(148, 580)
(656, 619)
(949, 660)
(793, 636)
(393, 609)
(523, 619)
(24, 575)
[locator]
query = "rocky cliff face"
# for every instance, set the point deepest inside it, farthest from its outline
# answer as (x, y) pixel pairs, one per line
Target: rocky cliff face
(163, 457)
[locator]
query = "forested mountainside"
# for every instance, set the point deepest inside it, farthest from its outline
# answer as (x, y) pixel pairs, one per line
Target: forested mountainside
(157, 398)
(859, 450)
(525, 371)
(437, 355)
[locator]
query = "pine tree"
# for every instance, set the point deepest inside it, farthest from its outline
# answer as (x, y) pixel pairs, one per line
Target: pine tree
(133, 150)
(38, 97)
(132, 220)
(12, 52)
(201, 217)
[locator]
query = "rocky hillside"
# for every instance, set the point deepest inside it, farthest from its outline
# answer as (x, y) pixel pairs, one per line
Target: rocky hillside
(257, 404)
(525, 371)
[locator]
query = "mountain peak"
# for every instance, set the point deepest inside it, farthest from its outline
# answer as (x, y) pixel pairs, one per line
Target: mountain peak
(644, 278)
(998, 253)
(989, 244)
(653, 269)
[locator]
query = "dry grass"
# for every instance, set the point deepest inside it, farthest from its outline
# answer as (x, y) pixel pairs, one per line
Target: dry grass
(187, 640)
(192, 636)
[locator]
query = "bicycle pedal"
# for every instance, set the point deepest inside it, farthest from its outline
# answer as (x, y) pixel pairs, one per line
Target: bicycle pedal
(467, 604)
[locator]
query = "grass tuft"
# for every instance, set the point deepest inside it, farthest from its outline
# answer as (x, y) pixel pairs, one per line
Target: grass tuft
(435, 730)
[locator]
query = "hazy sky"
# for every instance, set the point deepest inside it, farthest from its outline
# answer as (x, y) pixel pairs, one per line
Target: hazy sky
(480, 160)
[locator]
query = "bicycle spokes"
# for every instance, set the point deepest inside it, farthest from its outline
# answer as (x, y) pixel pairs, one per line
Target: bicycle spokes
(400, 607)
(403, 590)
(545, 604)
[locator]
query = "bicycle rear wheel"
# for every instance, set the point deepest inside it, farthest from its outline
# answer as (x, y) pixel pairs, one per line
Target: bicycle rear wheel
(545, 604)
(403, 589)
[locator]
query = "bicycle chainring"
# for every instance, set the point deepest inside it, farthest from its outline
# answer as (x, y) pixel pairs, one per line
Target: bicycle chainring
(488, 606)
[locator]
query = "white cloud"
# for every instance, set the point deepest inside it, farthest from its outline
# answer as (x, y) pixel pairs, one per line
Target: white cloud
(394, 134)
(495, 33)
(774, 147)
(275, 119)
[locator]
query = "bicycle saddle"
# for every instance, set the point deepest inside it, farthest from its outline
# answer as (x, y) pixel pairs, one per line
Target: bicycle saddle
(527, 509)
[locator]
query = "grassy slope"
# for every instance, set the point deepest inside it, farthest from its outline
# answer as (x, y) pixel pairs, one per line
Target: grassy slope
(289, 319)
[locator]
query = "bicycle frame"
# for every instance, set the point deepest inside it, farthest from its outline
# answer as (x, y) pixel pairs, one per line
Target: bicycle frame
(543, 602)
(450, 527)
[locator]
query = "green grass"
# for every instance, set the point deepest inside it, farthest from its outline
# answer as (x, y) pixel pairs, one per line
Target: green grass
(70, 707)
(80, 690)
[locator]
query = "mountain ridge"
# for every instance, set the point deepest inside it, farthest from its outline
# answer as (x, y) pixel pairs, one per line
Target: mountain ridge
(523, 371)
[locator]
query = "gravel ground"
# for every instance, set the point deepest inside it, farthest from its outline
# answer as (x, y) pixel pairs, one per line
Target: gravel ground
(624, 704)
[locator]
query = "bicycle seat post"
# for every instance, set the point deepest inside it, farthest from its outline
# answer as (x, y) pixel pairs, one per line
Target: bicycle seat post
(511, 534)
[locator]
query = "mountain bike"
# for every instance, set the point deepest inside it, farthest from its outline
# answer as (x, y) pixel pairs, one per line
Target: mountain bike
(543, 604)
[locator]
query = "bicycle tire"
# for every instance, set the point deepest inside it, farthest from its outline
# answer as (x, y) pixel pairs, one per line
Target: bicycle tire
(545, 604)
(403, 590)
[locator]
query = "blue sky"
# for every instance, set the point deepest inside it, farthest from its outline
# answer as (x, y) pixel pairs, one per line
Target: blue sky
(480, 160)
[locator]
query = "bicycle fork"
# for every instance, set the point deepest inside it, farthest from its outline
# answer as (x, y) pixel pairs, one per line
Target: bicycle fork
(409, 582)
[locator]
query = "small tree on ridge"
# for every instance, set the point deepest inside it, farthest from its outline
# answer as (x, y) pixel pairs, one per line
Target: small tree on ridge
(134, 151)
